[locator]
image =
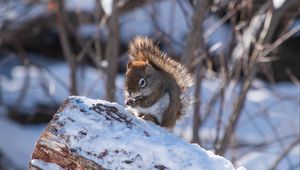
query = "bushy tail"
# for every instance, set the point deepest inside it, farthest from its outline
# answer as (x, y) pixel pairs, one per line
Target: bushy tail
(143, 49)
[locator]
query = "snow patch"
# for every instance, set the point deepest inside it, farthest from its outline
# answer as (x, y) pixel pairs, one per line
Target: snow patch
(17, 141)
(278, 3)
(107, 6)
(79, 5)
(45, 165)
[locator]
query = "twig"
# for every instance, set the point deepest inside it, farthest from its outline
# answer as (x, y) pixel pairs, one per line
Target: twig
(66, 47)
(217, 25)
(224, 74)
(276, 134)
(279, 41)
(273, 128)
(293, 77)
(195, 42)
(284, 153)
(239, 103)
(6, 60)
(44, 83)
(25, 61)
(185, 13)
(100, 21)
(84, 51)
(112, 52)
(161, 30)
(211, 104)
(246, 84)
(220, 115)
(194, 48)
(50, 73)
(258, 147)
(197, 105)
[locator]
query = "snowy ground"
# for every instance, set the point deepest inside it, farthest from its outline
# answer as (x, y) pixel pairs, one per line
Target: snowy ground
(267, 106)
(17, 141)
(270, 116)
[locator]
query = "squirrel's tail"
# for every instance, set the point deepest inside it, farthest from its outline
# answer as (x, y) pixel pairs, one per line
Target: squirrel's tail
(186, 103)
(143, 49)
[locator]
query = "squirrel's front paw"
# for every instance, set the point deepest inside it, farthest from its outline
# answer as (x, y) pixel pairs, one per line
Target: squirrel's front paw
(149, 118)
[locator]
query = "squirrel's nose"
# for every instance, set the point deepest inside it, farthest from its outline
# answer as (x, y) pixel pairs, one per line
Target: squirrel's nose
(129, 102)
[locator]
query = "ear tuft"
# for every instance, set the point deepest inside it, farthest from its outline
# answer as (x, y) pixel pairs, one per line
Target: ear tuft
(149, 69)
(129, 64)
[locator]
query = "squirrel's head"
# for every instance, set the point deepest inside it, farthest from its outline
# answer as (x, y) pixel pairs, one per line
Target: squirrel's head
(141, 81)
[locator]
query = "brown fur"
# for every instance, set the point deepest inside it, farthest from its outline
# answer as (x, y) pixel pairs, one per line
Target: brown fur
(137, 70)
(143, 49)
(163, 76)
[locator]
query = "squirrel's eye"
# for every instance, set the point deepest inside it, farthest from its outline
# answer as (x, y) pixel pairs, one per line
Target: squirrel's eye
(142, 82)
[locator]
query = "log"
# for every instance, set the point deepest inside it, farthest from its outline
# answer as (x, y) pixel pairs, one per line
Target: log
(96, 134)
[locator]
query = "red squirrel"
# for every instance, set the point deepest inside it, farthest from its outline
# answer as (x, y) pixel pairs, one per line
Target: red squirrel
(155, 83)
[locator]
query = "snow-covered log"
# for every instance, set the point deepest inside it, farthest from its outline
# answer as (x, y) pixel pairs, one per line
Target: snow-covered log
(95, 134)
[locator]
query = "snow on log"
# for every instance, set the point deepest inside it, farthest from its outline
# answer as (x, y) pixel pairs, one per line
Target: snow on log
(95, 134)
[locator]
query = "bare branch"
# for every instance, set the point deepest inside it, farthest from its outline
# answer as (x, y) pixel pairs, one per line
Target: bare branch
(70, 58)
(284, 153)
(195, 42)
(112, 52)
(279, 41)
(197, 104)
(217, 25)
(293, 77)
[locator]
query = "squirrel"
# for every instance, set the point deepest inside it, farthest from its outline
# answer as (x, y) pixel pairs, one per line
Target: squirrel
(155, 83)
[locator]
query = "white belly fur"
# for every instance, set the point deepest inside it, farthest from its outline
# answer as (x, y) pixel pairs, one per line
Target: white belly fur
(157, 109)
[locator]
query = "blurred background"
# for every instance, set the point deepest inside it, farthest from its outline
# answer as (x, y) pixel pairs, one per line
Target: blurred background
(244, 55)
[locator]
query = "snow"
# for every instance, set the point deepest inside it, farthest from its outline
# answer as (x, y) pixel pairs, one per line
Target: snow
(79, 5)
(107, 6)
(45, 165)
(125, 140)
(255, 159)
(269, 111)
(17, 141)
(19, 12)
(55, 79)
(278, 3)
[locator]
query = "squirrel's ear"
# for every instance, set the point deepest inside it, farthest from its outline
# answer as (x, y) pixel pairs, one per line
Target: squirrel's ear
(148, 63)
(129, 64)
(149, 69)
